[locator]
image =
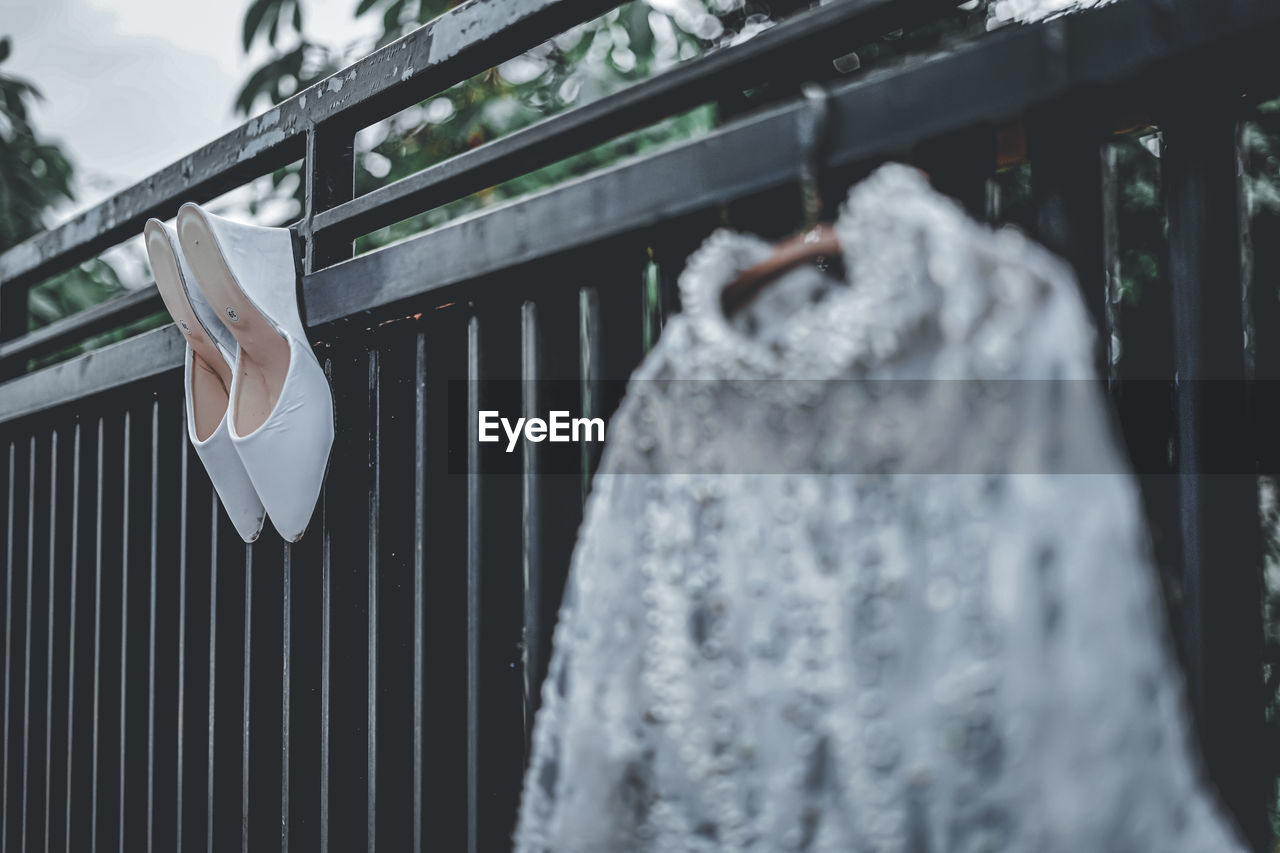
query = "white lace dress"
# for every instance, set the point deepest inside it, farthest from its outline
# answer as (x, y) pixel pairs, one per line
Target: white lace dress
(827, 598)
(1003, 12)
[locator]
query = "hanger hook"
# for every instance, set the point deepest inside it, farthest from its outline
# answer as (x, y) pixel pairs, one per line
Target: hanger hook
(814, 120)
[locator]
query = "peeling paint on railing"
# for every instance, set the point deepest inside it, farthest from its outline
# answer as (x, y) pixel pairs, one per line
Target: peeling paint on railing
(481, 32)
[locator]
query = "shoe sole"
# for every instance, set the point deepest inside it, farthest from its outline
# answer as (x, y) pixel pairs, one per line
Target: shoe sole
(169, 281)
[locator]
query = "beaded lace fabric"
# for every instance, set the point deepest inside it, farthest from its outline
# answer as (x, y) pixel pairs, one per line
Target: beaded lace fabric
(1029, 11)
(789, 625)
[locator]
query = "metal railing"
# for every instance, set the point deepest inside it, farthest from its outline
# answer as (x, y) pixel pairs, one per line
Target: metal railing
(168, 687)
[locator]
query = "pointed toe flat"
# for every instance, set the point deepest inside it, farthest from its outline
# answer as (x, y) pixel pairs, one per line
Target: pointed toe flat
(280, 407)
(207, 379)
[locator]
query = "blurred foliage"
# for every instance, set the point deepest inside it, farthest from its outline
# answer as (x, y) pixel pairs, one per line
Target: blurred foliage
(72, 291)
(584, 64)
(35, 177)
(581, 65)
(1262, 163)
(285, 71)
(1139, 216)
(34, 174)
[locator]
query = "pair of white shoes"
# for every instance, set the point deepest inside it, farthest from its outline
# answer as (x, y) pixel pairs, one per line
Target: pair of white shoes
(259, 409)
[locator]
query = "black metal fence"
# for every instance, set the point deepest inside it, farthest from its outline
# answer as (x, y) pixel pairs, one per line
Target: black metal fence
(167, 687)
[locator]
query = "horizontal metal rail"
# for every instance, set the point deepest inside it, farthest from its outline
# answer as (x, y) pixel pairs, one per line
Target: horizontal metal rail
(102, 370)
(460, 43)
(827, 29)
(103, 317)
(1121, 46)
(888, 112)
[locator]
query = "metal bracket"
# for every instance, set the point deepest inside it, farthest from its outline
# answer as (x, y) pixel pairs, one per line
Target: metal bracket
(813, 122)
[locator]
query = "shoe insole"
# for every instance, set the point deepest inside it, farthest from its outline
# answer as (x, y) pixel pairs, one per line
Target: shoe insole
(208, 396)
(264, 352)
(210, 373)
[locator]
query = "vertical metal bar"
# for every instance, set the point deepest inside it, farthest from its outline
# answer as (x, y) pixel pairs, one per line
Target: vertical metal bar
(1065, 141)
(124, 611)
(8, 633)
(266, 734)
(151, 627)
(496, 587)
(14, 309)
(474, 533)
(1110, 196)
(589, 356)
(531, 515)
(670, 252)
(1218, 491)
(329, 169)
(419, 536)
(330, 180)
(959, 165)
(48, 680)
(246, 669)
(1142, 366)
(213, 657)
(1264, 240)
(71, 644)
(15, 316)
(182, 631)
(97, 636)
(348, 598)
(26, 685)
(325, 574)
(286, 570)
(375, 494)
(300, 738)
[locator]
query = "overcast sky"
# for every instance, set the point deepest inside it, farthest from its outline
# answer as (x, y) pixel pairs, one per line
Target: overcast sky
(133, 85)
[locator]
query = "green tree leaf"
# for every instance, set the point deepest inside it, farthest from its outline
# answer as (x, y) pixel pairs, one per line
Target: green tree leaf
(35, 175)
(254, 17)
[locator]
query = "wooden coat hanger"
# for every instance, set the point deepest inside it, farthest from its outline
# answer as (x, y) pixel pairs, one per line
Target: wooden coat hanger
(817, 241)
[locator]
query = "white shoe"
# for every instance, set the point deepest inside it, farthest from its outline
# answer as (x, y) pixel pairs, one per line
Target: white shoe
(207, 379)
(281, 409)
